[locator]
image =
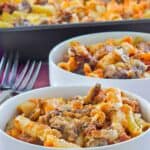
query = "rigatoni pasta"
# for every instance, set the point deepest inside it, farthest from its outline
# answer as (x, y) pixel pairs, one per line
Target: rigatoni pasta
(102, 117)
(50, 137)
(122, 58)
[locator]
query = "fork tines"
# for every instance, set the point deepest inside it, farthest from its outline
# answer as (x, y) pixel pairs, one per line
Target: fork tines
(9, 66)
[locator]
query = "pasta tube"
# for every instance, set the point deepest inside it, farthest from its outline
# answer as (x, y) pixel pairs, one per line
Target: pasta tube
(113, 96)
(130, 123)
(5, 24)
(49, 136)
(48, 10)
(92, 93)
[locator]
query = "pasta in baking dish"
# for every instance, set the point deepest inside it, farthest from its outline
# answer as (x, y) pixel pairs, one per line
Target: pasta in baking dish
(102, 117)
(14, 13)
(124, 58)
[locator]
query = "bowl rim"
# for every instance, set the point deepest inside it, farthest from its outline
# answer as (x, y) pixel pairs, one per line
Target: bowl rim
(56, 49)
(13, 99)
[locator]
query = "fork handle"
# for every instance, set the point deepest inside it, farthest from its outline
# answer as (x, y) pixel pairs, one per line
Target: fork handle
(5, 95)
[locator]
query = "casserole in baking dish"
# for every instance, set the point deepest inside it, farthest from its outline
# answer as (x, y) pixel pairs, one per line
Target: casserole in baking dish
(16, 13)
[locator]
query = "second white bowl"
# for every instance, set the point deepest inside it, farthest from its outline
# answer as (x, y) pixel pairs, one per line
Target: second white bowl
(60, 77)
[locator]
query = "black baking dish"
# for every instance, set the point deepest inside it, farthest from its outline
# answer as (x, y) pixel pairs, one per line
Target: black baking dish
(36, 42)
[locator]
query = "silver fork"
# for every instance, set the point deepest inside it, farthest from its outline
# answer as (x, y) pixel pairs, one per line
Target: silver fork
(13, 84)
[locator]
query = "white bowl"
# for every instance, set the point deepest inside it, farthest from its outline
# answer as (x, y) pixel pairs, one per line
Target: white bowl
(60, 77)
(7, 110)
